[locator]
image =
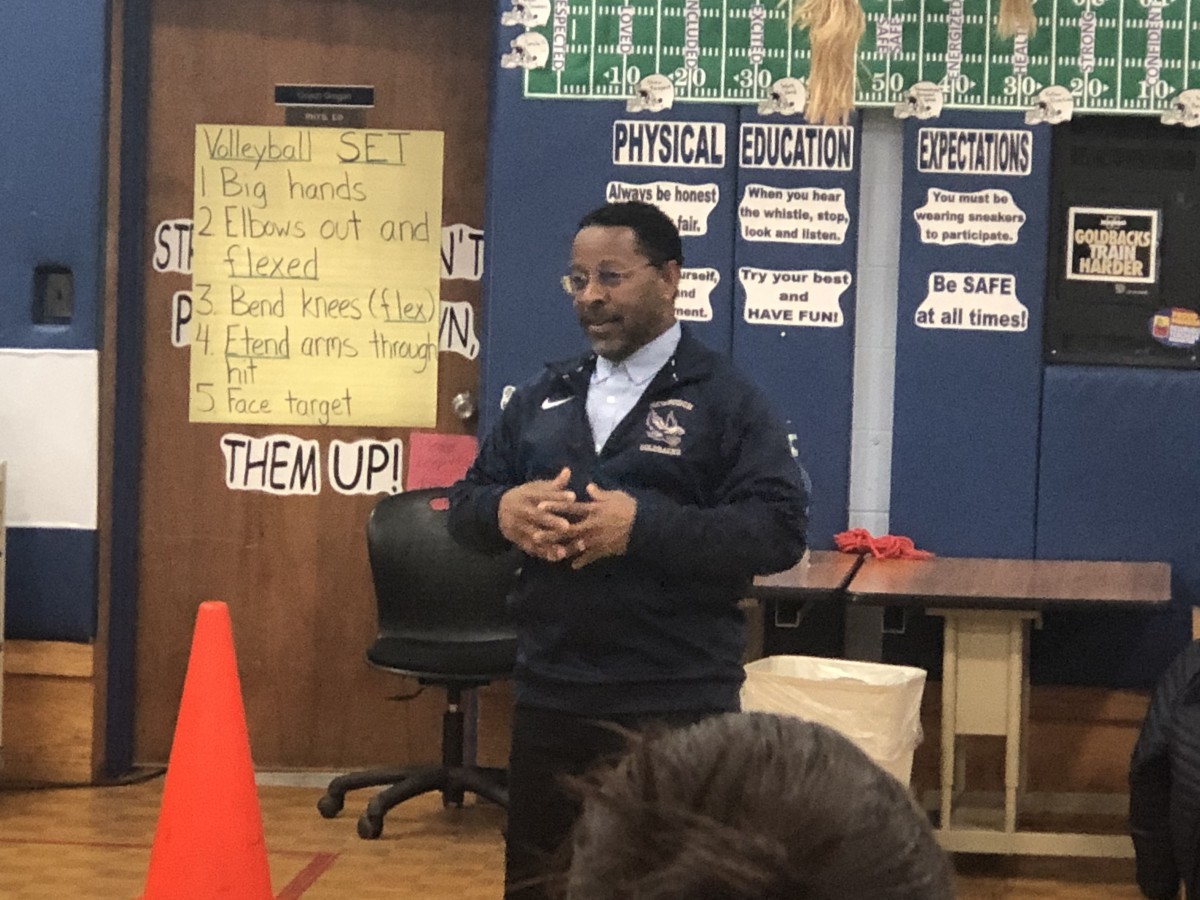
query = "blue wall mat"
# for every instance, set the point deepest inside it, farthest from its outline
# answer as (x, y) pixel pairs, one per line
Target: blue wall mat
(549, 162)
(51, 584)
(1118, 481)
(53, 66)
(964, 453)
(796, 339)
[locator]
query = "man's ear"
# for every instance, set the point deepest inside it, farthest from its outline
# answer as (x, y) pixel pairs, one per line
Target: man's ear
(670, 273)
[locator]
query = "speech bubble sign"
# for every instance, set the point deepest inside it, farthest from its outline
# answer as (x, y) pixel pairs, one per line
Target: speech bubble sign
(983, 218)
(280, 464)
(456, 329)
(688, 205)
(793, 215)
(972, 301)
(368, 466)
(693, 302)
(807, 298)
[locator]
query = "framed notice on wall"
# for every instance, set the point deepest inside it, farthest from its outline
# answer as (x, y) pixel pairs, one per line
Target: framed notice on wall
(1123, 285)
(1113, 245)
(316, 275)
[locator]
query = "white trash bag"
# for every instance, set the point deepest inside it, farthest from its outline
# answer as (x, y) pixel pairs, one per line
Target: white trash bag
(877, 706)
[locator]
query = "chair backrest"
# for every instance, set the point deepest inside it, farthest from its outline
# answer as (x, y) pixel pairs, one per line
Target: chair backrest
(429, 587)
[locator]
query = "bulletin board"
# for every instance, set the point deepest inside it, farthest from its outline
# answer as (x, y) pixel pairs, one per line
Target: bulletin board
(968, 336)
(1110, 56)
(795, 265)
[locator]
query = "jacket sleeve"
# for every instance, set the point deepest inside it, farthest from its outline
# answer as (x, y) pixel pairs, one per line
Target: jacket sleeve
(758, 524)
(475, 499)
(1150, 782)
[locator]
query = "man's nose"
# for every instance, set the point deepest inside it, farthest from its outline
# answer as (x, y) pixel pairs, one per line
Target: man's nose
(592, 291)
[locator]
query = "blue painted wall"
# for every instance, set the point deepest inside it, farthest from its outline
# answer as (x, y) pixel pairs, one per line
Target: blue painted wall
(54, 68)
(53, 65)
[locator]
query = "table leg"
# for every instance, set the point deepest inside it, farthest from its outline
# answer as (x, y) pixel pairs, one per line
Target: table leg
(949, 705)
(1023, 751)
(1012, 732)
(985, 692)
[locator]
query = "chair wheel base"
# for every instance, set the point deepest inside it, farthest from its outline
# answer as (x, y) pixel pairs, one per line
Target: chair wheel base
(370, 827)
(329, 806)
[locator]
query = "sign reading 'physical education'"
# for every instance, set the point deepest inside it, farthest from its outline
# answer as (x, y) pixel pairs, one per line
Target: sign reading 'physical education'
(315, 277)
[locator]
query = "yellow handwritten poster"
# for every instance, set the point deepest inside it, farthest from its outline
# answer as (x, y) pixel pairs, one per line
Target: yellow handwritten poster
(315, 276)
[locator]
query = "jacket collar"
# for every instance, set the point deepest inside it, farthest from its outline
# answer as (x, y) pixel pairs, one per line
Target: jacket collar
(691, 360)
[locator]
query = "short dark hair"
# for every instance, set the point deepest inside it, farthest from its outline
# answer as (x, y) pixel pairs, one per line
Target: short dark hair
(752, 806)
(656, 235)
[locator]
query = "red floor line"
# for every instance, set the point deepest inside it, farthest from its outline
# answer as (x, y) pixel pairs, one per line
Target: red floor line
(307, 877)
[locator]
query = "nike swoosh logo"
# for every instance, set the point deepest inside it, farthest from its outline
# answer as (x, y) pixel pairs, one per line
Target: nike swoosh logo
(550, 404)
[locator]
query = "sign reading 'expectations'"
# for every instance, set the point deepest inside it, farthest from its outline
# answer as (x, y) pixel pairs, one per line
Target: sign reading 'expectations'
(315, 276)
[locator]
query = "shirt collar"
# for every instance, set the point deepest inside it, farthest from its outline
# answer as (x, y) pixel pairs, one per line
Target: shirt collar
(643, 363)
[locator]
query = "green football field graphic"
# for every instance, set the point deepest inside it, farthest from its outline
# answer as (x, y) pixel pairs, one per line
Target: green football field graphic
(1112, 56)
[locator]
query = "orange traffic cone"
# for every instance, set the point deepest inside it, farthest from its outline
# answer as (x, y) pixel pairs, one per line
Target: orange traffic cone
(209, 839)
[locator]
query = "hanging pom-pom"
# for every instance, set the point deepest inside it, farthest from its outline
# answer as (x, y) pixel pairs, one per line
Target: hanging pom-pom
(834, 30)
(1016, 15)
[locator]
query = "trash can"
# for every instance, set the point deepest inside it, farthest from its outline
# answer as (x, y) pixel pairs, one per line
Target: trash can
(877, 706)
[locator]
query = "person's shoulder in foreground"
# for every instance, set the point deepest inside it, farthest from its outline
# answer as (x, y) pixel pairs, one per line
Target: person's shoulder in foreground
(1164, 782)
(752, 806)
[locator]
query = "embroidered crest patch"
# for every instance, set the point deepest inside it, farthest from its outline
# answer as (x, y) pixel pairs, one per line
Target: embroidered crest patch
(663, 427)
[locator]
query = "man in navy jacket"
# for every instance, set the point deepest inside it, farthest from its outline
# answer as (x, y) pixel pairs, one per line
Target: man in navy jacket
(647, 483)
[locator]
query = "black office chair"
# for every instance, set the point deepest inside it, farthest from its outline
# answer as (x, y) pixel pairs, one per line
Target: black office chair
(443, 621)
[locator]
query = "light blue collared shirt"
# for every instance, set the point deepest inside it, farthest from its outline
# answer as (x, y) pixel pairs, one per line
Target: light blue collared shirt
(615, 388)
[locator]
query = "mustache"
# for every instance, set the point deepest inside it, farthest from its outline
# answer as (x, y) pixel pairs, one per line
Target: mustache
(596, 317)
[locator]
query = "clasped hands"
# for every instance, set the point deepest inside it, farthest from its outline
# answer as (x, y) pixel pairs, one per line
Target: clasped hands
(546, 520)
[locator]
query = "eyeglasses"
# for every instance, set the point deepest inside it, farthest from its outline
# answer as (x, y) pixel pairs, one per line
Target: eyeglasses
(577, 282)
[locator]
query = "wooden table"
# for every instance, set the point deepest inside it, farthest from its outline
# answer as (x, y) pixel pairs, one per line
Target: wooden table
(817, 576)
(987, 606)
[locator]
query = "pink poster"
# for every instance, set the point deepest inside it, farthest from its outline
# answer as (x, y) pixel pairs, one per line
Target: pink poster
(438, 460)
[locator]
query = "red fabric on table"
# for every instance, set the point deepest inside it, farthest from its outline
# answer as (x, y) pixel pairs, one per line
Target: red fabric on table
(889, 546)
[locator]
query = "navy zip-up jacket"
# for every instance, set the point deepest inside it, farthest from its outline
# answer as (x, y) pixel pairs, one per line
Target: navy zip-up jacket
(719, 500)
(1164, 783)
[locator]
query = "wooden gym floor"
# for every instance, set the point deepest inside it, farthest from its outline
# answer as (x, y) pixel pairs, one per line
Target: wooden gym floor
(95, 843)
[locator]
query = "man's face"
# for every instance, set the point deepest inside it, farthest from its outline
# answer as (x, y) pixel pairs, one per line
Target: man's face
(626, 302)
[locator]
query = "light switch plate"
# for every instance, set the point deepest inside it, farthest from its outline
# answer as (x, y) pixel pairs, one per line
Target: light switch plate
(53, 295)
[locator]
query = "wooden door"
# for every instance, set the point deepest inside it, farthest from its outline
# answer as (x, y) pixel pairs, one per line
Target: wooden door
(293, 569)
